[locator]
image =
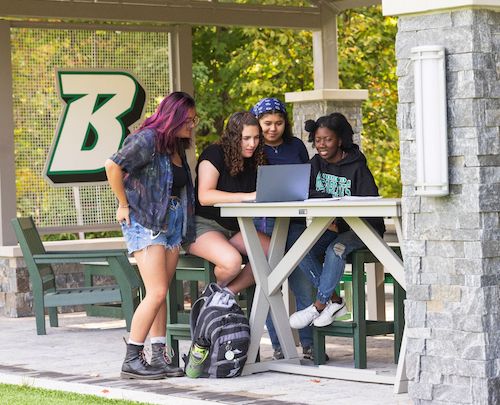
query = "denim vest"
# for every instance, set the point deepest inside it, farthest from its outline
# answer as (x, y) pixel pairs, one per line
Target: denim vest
(148, 183)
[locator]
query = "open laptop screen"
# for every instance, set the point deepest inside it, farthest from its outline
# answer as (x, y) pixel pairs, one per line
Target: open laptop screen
(278, 183)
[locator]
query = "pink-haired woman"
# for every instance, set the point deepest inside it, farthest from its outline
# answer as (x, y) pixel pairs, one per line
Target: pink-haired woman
(151, 180)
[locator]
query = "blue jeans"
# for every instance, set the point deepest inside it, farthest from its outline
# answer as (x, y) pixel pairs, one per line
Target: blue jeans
(327, 275)
(298, 282)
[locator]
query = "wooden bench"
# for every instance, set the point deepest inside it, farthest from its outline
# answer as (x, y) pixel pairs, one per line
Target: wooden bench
(47, 295)
(107, 309)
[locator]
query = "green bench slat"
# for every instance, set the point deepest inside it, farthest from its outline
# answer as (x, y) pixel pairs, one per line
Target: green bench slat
(83, 296)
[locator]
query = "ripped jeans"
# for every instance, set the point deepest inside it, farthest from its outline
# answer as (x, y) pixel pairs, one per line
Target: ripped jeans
(335, 248)
(138, 237)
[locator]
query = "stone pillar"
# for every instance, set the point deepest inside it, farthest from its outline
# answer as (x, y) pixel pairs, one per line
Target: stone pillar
(16, 299)
(451, 244)
(316, 103)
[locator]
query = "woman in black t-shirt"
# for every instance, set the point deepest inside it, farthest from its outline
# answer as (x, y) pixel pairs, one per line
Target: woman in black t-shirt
(227, 172)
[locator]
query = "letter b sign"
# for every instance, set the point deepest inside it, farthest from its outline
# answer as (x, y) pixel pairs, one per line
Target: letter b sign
(100, 107)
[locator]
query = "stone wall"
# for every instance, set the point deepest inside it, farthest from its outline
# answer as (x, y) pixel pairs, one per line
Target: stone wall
(452, 244)
(16, 297)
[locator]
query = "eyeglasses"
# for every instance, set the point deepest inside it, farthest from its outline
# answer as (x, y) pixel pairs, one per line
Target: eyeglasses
(192, 122)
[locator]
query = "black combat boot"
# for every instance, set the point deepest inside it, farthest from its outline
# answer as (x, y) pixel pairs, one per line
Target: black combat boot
(161, 360)
(136, 366)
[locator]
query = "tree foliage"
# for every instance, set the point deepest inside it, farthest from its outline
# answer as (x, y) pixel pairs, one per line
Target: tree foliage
(235, 67)
(367, 61)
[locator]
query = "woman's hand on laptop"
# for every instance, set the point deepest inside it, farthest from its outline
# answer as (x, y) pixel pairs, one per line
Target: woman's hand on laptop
(250, 196)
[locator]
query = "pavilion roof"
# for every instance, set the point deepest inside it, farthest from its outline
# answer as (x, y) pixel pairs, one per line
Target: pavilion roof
(256, 13)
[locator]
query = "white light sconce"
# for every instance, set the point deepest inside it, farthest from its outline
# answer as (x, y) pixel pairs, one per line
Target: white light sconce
(430, 120)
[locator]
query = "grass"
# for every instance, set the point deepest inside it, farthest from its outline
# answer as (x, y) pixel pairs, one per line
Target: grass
(25, 395)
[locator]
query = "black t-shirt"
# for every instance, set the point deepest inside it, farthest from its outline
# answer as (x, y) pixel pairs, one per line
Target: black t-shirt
(244, 182)
(180, 180)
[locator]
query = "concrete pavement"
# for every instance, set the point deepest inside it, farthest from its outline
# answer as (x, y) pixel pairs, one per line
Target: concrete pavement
(84, 355)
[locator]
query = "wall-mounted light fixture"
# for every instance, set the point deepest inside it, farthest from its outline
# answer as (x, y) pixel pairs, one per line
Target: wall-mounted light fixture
(430, 120)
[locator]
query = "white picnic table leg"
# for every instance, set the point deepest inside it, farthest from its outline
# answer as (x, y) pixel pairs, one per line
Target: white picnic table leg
(260, 267)
(263, 301)
(394, 265)
(401, 384)
(401, 378)
(379, 248)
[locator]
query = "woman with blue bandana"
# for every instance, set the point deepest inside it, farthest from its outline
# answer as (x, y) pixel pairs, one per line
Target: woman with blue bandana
(281, 147)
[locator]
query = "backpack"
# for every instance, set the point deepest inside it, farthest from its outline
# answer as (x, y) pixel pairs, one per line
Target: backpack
(217, 318)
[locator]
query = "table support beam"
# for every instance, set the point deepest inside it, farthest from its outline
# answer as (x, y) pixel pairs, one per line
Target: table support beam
(377, 246)
(297, 252)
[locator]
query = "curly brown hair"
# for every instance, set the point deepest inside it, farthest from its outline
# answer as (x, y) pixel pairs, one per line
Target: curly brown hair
(230, 142)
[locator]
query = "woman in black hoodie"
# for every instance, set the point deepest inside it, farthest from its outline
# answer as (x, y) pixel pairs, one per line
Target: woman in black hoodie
(338, 170)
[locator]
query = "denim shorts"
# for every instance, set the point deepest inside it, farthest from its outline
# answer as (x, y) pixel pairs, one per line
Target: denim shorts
(138, 237)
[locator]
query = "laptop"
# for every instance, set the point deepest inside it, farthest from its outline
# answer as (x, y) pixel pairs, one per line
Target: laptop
(278, 183)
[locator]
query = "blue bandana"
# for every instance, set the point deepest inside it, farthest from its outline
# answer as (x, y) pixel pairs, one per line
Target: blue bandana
(268, 105)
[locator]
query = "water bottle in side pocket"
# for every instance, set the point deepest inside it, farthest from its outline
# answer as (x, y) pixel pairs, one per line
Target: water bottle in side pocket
(197, 356)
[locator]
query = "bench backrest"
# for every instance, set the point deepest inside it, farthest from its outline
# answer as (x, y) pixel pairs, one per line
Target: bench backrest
(41, 275)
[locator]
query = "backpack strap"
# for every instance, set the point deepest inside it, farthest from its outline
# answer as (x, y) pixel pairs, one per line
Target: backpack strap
(205, 296)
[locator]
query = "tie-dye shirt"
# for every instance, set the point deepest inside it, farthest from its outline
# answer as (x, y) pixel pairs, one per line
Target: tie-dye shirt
(148, 183)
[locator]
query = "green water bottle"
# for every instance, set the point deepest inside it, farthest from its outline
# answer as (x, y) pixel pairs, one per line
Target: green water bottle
(197, 356)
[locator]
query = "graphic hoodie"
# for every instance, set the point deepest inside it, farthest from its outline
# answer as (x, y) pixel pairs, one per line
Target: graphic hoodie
(349, 177)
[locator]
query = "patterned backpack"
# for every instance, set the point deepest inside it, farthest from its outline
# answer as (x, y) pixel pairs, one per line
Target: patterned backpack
(217, 318)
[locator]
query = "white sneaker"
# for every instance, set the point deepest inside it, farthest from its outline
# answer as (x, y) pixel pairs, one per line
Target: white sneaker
(301, 319)
(332, 310)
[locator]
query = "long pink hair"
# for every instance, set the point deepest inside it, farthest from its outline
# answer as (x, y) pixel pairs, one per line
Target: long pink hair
(168, 119)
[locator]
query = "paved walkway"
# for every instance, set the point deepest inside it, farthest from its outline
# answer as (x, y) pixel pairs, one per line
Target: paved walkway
(85, 354)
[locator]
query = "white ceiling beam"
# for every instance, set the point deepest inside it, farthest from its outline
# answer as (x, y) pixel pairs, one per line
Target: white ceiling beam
(193, 13)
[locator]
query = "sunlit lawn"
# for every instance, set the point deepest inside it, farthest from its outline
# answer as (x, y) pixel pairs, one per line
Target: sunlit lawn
(22, 394)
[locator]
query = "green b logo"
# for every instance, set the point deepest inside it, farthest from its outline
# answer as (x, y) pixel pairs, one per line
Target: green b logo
(100, 108)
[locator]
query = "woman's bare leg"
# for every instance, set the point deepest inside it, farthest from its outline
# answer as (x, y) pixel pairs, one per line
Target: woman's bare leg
(214, 247)
(245, 278)
(159, 326)
(156, 267)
